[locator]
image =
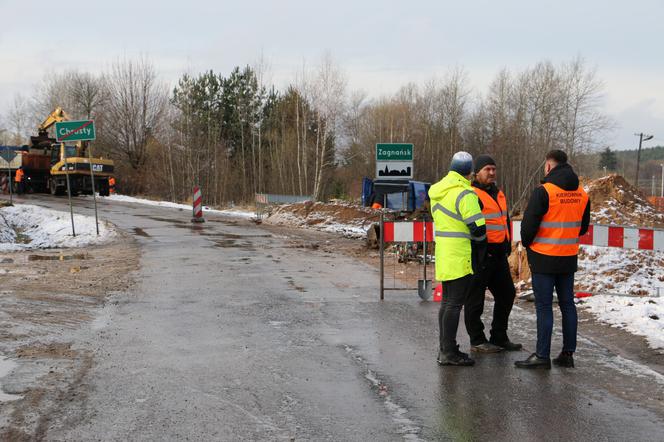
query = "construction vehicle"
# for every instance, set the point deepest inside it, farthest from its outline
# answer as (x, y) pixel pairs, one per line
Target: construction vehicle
(403, 200)
(47, 164)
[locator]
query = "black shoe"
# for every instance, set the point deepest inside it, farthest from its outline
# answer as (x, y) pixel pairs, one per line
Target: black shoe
(564, 359)
(460, 353)
(508, 345)
(534, 361)
(459, 359)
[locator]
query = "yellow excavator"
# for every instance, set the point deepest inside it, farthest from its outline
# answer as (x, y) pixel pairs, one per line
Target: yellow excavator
(64, 160)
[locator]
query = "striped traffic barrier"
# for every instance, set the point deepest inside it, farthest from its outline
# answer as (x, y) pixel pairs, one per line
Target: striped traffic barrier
(598, 235)
(198, 206)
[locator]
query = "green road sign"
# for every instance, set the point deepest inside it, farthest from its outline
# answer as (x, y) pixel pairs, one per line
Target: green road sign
(394, 152)
(394, 161)
(75, 130)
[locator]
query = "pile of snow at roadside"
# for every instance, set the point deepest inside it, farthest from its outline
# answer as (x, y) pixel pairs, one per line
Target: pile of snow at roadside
(206, 209)
(642, 316)
(623, 271)
(40, 228)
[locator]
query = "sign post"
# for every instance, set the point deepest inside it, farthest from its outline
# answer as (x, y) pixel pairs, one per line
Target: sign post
(394, 161)
(71, 208)
(81, 130)
(92, 183)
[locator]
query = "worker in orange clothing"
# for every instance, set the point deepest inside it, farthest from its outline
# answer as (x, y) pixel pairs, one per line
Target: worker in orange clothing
(495, 272)
(111, 185)
(558, 213)
(18, 179)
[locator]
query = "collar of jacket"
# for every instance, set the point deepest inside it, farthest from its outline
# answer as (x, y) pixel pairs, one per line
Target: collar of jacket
(456, 176)
(491, 189)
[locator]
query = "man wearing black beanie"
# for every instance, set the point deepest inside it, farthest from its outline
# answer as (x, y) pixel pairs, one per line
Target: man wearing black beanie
(495, 274)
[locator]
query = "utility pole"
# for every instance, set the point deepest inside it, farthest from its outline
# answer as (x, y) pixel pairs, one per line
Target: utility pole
(642, 137)
(662, 191)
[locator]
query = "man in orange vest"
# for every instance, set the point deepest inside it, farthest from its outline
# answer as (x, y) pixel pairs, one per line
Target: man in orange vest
(495, 274)
(111, 185)
(18, 178)
(558, 213)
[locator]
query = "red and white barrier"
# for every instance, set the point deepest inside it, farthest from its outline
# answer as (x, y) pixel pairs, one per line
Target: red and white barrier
(597, 235)
(198, 205)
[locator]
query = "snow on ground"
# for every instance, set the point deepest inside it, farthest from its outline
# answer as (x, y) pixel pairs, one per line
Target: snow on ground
(25, 227)
(624, 271)
(340, 217)
(642, 316)
(131, 199)
(325, 224)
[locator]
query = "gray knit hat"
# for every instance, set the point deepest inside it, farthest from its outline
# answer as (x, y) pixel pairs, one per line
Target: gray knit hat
(462, 163)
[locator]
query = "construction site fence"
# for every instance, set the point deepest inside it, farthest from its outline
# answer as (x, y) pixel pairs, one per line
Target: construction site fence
(422, 232)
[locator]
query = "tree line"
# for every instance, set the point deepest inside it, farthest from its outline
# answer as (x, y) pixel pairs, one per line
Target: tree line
(235, 135)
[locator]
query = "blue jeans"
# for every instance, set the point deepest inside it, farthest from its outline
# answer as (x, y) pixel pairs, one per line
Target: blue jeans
(543, 285)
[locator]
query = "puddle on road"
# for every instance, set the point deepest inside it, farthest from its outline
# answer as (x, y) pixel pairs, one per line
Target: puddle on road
(228, 223)
(232, 243)
(59, 257)
(140, 232)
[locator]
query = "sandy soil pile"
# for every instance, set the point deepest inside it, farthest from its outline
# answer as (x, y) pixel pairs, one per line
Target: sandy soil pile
(615, 201)
(349, 219)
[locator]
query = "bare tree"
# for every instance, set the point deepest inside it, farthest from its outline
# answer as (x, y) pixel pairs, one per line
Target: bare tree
(19, 121)
(135, 104)
(328, 99)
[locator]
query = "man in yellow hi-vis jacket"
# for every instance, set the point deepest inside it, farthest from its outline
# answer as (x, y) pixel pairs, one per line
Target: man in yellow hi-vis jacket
(460, 235)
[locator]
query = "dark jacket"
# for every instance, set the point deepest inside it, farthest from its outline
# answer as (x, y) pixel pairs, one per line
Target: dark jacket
(564, 177)
(496, 249)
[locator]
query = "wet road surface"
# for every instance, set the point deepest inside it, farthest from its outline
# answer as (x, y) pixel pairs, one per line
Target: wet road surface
(234, 332)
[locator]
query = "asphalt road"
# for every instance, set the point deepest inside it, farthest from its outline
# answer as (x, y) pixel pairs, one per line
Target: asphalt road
(238, 332)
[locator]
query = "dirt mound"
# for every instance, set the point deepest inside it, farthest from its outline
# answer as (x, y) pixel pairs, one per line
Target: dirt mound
(615, 201)
(339, 216)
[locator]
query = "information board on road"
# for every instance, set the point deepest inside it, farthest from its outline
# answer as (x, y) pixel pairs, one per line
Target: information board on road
(394, 161)
(83, 130)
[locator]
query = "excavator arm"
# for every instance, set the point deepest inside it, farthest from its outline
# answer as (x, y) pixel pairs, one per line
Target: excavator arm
(54, 117)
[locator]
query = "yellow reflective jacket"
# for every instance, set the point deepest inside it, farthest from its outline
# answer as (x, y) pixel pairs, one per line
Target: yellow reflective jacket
(453, 205)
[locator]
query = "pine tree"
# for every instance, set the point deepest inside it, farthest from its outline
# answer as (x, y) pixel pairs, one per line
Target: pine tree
(608, 159)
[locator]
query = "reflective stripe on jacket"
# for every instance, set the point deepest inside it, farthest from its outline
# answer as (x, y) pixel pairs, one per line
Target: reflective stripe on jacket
(558, 233)
(453, 206)
(495, 214)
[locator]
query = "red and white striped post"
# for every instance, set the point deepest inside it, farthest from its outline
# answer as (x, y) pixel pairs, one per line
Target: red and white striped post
(198, 206)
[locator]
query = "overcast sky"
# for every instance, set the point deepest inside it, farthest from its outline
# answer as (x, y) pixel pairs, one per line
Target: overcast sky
(380, 45)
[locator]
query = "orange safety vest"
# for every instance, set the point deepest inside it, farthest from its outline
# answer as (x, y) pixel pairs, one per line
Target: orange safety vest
(495, 214)
(558, 233)
(111, 182)
(19, 176)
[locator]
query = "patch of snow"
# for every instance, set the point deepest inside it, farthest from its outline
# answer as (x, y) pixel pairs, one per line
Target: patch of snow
(615, 270)
(353, 228)
(45, 228)
(227, 212)
(643, 316)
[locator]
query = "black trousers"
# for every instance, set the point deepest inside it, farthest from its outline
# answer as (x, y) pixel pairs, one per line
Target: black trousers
(495, 275)
(455, 295)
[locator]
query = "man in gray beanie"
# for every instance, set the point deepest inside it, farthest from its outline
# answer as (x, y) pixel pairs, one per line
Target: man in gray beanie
(460, 235)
